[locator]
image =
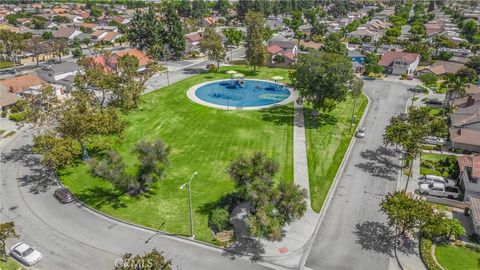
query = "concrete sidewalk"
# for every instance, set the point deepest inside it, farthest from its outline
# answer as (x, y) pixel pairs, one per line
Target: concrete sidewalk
(301, 231)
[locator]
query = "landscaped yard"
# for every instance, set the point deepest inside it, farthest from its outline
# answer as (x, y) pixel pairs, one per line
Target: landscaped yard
(328, 138)
(11, 264)
(452, 257)
(206, 140)
(434, 167)
(4, 64)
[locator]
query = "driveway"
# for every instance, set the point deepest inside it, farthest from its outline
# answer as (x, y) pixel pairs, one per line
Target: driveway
(353, 234)
(71, 237)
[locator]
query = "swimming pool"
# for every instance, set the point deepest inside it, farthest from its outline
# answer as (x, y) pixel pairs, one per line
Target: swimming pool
(245, 94)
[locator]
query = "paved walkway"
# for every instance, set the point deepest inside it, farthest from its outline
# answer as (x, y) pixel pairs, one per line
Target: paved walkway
(299, 233)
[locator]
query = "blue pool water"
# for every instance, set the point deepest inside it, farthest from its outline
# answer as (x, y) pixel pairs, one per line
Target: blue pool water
(231, 93)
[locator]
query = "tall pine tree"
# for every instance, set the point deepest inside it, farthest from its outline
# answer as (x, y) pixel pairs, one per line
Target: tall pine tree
(256, 49)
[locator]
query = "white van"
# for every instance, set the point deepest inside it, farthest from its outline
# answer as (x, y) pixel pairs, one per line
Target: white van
(431, 179)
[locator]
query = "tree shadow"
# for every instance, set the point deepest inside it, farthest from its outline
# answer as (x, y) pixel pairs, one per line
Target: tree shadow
(379, 164)
(99, 197)
(22, 154)
(316, 120)
(378, 238)
(281, 115)
(39, 180)
(247, 246)
(193, 71)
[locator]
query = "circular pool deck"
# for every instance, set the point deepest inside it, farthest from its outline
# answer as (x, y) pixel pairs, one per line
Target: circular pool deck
(191, 94)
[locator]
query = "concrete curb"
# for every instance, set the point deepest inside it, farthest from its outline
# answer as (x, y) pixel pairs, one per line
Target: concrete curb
(333, 187)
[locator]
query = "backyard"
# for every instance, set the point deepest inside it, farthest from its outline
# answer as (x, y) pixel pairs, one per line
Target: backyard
(206, 140)
(453, 257)
(436, 164)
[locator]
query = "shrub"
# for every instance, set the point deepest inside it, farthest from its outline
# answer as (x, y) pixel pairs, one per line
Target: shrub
(4, 113)
(219, 219)
(19, 106)
(212, 68)
(426, 254)
(428, 164)
(18, 117)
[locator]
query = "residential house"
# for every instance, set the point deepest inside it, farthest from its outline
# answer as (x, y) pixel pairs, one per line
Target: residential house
(358, 61)
(7, 98)
(56, 72)
(121, 20)
(465, 123)
(398, 63)
(109, 64)
(441, 67)
(469, 177)
(88, 27)
(282, 52)
(461, 52)
(22, 83)
(68, 33)
(192, 41)
(208, 21)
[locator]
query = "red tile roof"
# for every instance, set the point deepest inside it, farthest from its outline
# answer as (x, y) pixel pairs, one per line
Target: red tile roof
(21, 83)
(143, 59)
(388, 57)
(470, 162)
(273, 49)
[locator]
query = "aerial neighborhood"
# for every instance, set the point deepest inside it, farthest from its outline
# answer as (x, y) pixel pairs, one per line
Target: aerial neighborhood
(240, 134)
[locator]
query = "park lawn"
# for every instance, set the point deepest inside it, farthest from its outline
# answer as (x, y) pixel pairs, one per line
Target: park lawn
(202, 139)
(11, 264)
(328, 138)
(434, 158)
(453, 257)
(5, 64)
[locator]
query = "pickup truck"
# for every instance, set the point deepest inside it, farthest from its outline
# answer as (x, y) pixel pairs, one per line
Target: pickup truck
(438, 189)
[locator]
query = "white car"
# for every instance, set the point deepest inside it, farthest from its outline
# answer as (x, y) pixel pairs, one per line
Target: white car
(430, 179)
(361, 132)
(25, 254)
(434, 140)
(437, 189)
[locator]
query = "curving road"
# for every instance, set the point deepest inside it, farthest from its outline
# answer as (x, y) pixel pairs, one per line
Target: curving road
(353, 234)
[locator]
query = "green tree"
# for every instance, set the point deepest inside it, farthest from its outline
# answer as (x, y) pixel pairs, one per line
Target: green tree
(334, 44)
(7, 230)
(199, 8)
(256, 50)
(174, 31)
(152, 260)
(455, 87)
(38, 22)
(153, 158)
(59, 45)
(454, 228)
(61, 19)
(322, 79)
(428, 78)
(211, 45)
(36, 46)
(47, 35)
(409, 133)
(470, 29)
(147, 33)
(233, 36)
(11, 44)
(57, 152)
(222, 7)
(474, 62)
(184, 8)
(273, 207)
(468, 75)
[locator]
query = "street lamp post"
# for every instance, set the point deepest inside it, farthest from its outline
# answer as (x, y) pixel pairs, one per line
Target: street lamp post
(190, 202)
(165, 51)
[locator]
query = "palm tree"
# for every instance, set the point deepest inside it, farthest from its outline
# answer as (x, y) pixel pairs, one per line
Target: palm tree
(455, 88)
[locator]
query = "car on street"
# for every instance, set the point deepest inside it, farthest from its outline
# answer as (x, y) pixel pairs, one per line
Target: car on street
(440, 190)
(430, 179)
(25, 254)
(361, 132)
(434, 140)
(63, 195)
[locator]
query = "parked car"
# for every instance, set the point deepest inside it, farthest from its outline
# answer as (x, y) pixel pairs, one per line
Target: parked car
(437, 189)
(430, 179)
(63, 195)
(25, 254)
(434, 140)
(361, 132)
(433, 101)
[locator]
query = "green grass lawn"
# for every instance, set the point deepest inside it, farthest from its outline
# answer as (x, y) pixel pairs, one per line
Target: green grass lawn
(4, 64)
(11, 264)
(434, 158)
(327, 140)
(201, 139)
(452, 257)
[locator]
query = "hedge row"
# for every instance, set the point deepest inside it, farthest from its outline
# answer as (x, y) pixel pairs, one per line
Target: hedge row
(426, 254)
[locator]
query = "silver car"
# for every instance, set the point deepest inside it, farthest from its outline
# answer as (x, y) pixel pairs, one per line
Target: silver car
(25, 254)
(361, 132)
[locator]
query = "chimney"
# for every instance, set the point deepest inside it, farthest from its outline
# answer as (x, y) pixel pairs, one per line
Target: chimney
(470, 101)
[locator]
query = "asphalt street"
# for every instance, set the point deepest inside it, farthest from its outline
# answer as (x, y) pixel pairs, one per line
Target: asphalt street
(353, 233)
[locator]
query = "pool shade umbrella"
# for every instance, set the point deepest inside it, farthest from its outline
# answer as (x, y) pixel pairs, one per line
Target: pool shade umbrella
(238, 75)
(277, 78)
